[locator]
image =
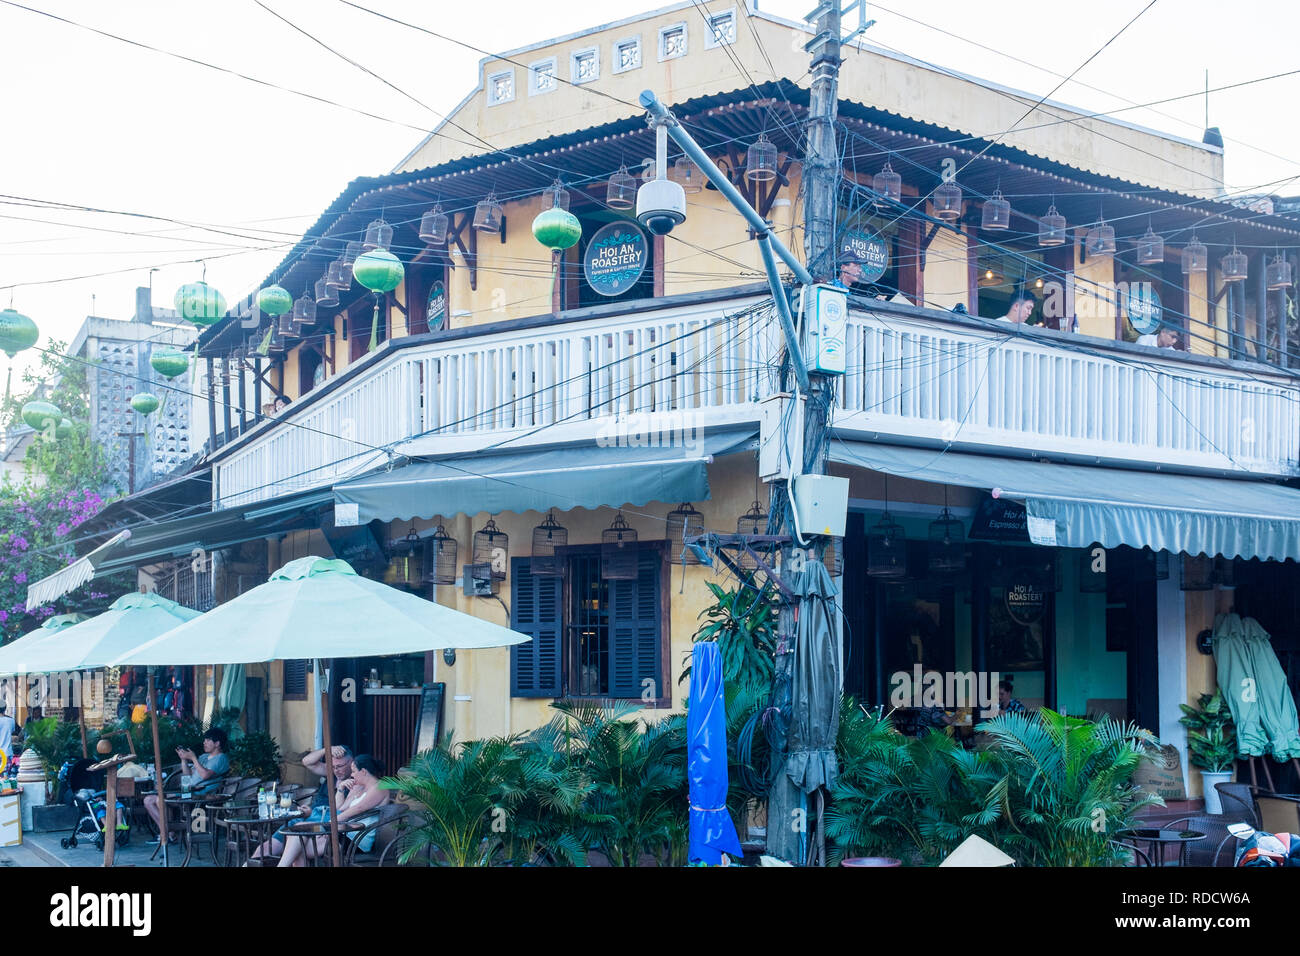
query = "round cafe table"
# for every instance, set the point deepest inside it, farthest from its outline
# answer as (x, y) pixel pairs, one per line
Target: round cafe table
(251, 831)
(311, 830)
(1157, 839)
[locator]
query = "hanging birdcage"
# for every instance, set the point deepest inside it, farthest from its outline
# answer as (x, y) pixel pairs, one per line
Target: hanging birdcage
(946, 202)
(488, 214)
(1051, 228)
(276, 344)
(557, 196)
(620, 192)
(286, 326)
(492, 547)
(1101, 239)
(1150, 248)
(1196, 257)
(752, 522)
(441, 557)
(886, 549)
(947, 543)
(997, 212)
(1278, 274)
(887, 184)
(618, 551)
(1198, 573)
(334, 278)
(407, 559)
(326, 294)
(1092, 570)
(833, 557)
(760, 160)
(350, 252)
(684, 522)
(379, 235)
(687, 175)
(549, 540)
(1234, 265)
(304, 312)
(433, 226)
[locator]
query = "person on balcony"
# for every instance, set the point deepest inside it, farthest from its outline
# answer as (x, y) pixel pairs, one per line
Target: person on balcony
(850, 270)
(1022, 306)
(1165, 338)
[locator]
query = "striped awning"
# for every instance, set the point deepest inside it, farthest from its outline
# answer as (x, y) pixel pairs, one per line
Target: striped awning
(73, 576)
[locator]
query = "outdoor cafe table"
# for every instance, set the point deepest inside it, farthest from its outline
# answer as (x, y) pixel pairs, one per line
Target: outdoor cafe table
(1156, 837)
(252, 831)
(312, 829)
(186, 806)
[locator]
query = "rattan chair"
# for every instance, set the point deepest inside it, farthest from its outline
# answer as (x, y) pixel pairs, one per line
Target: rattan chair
(1217, 849)
(388, 831)
(1238, 801)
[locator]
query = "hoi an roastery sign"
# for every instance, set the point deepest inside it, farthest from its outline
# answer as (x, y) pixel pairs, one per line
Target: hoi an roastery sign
(1026, 596)
(436, 307)
(872, 250)
(615, 258)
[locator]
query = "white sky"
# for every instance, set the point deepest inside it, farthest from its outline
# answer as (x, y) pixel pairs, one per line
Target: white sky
(92, 121)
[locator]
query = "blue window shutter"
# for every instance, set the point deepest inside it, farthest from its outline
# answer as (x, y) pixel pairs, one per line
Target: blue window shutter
(634, 615)
(535, 610)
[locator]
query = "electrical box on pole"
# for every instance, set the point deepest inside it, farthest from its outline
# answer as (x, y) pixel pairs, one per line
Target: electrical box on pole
(825, 311)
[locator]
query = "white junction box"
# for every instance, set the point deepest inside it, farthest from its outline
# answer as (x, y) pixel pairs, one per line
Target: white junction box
(821, 503)
(825, 311)
(780, 437)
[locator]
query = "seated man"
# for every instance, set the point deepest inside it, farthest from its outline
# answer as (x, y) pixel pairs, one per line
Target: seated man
(1022, 306)
(197, 773)
(1166, 338)
(341, 758)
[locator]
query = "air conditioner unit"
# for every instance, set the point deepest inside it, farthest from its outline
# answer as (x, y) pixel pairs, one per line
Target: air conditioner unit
(478, 580)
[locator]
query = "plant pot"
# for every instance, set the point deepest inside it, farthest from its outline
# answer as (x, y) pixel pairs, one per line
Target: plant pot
(1208, 779)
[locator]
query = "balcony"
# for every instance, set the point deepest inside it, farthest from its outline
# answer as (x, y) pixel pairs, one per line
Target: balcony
(916, 376)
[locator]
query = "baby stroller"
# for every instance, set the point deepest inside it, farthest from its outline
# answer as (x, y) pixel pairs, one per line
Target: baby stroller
(83, 790)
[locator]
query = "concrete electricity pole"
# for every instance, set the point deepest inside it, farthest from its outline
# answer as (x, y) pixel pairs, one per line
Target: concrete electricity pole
(821, 160)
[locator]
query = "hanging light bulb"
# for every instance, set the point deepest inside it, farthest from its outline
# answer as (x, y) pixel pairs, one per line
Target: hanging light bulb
(997, 211)
(379, 235)
(1051, 228)
(760, 160)
(946, 200)
(620, 193)
(488, 214)
(1196, 257)
(433, 226)
(887, 184)
(1150, 248)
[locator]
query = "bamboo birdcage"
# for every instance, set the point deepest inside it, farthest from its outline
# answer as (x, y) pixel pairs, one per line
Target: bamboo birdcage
(618, 551)
(492, 547)
(549, 540)
(440, 560)
(684, 522)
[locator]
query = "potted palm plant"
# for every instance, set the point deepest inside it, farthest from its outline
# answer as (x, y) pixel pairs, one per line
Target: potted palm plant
(1211, 743)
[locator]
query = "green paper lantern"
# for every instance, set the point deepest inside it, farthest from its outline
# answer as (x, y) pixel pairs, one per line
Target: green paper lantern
(200, 303)
(169, 362)
(275, 300)
(39, 414)
(557, 229)
(378, 270)
(63, 429)
(144, 403)
(17, 332)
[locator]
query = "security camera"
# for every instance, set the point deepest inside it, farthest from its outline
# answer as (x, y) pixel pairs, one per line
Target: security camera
(660, 205)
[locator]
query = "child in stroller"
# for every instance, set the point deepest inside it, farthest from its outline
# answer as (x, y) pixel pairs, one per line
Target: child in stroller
(84, 790)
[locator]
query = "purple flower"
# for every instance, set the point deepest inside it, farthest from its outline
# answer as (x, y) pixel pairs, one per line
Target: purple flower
(20, 577)
(62, 529)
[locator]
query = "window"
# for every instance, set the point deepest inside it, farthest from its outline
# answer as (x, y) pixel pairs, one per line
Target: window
(541, 77)
(501, 87)
(722, 30)
(295, 679)
(672, 42)
(585, 65)
(590, 637)
(627, 55)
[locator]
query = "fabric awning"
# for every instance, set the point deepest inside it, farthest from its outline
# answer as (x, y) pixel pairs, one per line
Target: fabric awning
(568, 476)
(54, 586)
(1076, 506)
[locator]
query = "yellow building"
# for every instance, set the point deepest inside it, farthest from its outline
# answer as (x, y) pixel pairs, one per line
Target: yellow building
(1075, 467)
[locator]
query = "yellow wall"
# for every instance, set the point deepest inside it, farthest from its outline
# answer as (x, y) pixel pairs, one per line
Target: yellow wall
(946, 278)
(1094, 291)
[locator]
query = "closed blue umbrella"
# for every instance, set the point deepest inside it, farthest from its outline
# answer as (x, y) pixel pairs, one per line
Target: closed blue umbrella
(711, 830)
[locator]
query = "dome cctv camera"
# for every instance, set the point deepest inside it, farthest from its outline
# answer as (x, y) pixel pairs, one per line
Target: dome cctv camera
(660, 205)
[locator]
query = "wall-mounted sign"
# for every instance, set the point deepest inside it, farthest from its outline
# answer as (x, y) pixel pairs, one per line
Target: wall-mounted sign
(1026, 596)
(999, 519)
(436, 308)
(615, 258)
(873, 250)
(1143, 307)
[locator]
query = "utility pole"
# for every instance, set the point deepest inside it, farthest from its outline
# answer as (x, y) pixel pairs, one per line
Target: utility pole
(822, 160)
(131, 437)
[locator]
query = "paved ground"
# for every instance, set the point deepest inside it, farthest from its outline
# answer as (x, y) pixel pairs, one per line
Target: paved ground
(43, 849)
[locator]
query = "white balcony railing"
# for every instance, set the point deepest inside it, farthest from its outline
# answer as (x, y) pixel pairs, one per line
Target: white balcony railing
(913, 376)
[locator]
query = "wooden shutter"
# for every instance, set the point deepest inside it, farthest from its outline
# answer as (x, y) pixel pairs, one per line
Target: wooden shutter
(634, 609)
(536, 610)
(295, 679)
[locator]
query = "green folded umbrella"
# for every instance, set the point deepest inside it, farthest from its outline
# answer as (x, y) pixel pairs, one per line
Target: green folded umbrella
(1255, 688)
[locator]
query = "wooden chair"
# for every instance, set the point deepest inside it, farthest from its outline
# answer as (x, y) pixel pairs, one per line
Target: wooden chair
(388, 831)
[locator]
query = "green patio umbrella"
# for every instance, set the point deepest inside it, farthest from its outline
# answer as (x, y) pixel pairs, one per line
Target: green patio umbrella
(49, 627)
(319, 608)
(1255, 688)
(233, 693)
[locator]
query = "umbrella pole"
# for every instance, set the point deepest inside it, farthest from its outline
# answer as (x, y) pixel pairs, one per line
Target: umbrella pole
(157, 770)
(323, 690)
(81, 717)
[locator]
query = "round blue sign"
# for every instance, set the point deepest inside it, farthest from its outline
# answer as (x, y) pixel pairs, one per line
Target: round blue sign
(872, 249)
(1143, 306)
(615, 258)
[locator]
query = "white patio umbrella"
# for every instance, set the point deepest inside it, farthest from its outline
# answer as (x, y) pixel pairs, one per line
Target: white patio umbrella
(48, 627)
(319, 608)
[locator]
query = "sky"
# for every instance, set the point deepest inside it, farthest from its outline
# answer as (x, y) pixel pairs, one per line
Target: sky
(90, 121)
